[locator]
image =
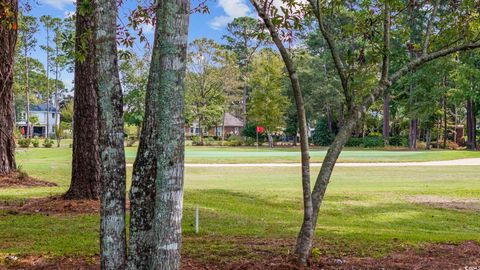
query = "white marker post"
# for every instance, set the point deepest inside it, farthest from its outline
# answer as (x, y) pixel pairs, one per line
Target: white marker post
(196, 219)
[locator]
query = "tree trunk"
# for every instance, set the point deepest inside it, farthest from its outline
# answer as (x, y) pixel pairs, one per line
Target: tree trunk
(223, 128)
(85, 183)
(386, 118)
(341, 120)
(323, 180)
(111, 137)
(471, 126)
(305, 236)
(8, 41)
(329, 119)
(438, 133)
(270, 140)
(47, 132)
(27, 89)
(200, 128)
(57, 106)
(428, 139)
(244, 100)
(445, 127)
(412, 137)
(158, 174)
(455, 121)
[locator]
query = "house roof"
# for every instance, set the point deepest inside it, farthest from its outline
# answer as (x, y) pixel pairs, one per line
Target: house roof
(232, 121)
(42, 108)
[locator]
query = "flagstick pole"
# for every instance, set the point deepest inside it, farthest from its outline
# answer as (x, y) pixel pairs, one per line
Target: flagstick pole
(257, 139)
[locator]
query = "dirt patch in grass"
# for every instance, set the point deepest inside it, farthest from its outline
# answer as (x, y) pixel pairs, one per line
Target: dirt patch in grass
(51, 205)
(15, 180)
(44, 263)
(447, 203)
(434, 256)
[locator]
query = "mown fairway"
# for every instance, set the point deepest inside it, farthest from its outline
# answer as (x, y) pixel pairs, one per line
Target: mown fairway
(368, 211)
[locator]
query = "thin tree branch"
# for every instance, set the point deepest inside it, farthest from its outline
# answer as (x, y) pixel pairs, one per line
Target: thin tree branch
(432, 56)
(429, 30)
(333, 48)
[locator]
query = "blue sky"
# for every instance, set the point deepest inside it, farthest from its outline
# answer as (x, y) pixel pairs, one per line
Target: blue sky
(201, 25)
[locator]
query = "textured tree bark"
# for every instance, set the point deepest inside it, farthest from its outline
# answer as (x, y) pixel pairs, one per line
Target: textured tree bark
(471, 126)
(157, 187)
(386, 118)
(111, 137)
(412, 137)
(85, 182)
(8, 40)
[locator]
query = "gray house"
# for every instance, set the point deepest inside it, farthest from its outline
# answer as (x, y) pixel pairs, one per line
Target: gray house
(40, 128)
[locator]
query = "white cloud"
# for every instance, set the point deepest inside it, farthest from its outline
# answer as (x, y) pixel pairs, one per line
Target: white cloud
(219, 22)
(233, 9)
(59, 4)
(147, 28)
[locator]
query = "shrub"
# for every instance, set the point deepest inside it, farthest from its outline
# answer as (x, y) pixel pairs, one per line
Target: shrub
(35, 142)
(24, 143)
(47, 143)
(421, 145)
(208, 141)
(373, 140)
(196, 140)
(322, 136)
(249, 141)
(370, 141)
(235, 140)
(354, 142)
(398, 140)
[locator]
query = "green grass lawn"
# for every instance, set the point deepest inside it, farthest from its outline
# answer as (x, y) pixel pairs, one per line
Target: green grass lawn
(195, 154)
(366, 211)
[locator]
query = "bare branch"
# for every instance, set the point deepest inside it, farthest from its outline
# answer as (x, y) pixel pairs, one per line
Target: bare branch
(430, 27)
(333, 48)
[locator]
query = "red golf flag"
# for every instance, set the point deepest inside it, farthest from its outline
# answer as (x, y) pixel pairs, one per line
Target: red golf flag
(260, 129)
